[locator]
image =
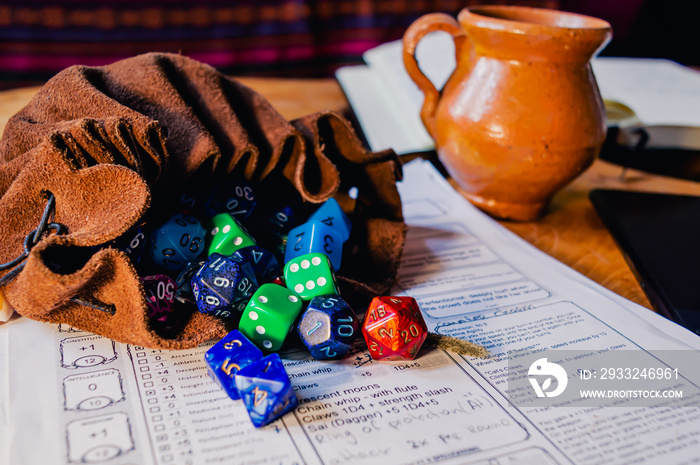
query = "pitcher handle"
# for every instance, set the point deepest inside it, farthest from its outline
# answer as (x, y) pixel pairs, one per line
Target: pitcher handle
(415, 32)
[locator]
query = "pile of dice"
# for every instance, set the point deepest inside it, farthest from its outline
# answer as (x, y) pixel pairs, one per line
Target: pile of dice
(221, 269)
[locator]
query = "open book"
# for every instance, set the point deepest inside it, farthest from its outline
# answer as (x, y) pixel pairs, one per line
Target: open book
(657, 95)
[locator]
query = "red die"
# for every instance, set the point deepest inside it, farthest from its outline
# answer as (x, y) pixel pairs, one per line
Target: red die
(394, 328)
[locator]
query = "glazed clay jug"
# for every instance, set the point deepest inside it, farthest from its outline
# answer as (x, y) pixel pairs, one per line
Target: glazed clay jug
(521, 115)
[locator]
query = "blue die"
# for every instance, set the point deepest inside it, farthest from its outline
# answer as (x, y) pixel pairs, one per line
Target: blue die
(279, 222)
(328, 327)
(227, 357)
(264, 263)
(332, 215)
(223, 286)
(235, 198)
(179, 241)
(133, 242)
(272, 228)
(191, 197)
(184, 281)
(266, 390)
(314, 237)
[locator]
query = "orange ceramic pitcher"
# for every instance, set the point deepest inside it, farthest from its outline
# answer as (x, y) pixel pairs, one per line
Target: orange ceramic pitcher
(521, 115)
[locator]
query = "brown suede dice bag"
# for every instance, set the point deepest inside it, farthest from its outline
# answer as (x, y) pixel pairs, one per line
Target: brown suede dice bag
(99, 150)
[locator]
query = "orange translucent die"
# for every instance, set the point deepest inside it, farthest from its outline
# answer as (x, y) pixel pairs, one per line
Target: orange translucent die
(394, 328)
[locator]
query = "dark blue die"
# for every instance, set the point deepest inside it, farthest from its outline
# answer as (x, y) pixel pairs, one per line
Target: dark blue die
(264, 263)
(183, 282)
(266, 390)
(328, 327)
(279, 222)
(191, 197)
(234, 197)
(332, 215)
(227, 357)
(188, 202)
(179, 241)
(223, 287)
(273, 228)
(314, 237)
(133, 242)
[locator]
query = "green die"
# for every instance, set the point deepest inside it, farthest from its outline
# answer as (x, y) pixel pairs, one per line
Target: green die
(225, 235)
(269, 316)
(310, 275)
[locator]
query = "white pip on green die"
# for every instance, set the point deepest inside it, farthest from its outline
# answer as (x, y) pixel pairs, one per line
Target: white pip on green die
(310, 275)
(225, 235)
(269, 316)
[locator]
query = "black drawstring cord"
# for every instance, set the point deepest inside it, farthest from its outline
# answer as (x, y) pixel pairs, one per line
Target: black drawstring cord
(31, 240)
(109, 309)
(17, 264)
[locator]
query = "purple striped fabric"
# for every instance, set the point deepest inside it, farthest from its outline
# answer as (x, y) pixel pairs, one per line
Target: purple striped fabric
(246, 37)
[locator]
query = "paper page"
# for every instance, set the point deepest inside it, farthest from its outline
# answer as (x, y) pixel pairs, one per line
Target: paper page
(385, 99)
(435, 55)
(479, 241)
(4, 396)
(661, 92)
(664, 96)
(380, 118)
(85, 398)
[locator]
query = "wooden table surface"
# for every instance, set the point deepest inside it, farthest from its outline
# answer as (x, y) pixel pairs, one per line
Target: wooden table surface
(571, 231)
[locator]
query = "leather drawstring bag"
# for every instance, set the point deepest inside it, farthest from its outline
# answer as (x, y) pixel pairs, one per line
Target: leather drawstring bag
(100, 149)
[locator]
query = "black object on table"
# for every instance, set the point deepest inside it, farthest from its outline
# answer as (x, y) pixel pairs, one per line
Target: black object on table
(659, 235)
